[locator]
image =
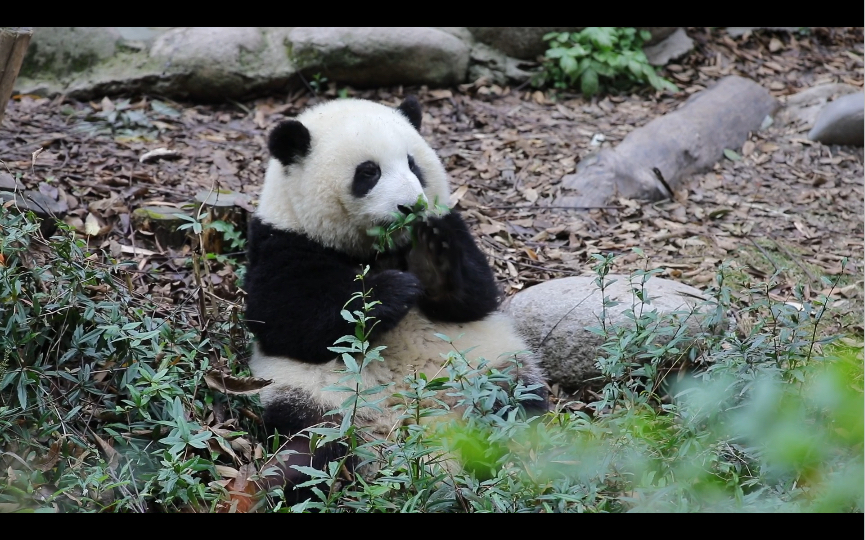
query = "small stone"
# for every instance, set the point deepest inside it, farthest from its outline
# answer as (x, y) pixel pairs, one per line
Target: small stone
(47, 209)
(841, 121)
(9, 183)
(221, 205)
(675, 46)
(220, 198)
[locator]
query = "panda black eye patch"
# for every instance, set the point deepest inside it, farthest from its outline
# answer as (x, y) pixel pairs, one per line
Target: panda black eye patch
(365, 178)
(416, 171)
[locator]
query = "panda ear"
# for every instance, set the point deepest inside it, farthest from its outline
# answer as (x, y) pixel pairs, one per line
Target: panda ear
(289, 142)
(410, 108)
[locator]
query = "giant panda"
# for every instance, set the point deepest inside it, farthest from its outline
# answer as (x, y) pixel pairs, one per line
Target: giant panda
(336, 170)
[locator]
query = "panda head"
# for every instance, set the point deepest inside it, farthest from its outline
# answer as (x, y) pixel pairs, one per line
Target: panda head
(345, 166)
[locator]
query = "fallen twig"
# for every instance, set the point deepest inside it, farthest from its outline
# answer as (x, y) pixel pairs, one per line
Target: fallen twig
(763, 251)
(796, 262)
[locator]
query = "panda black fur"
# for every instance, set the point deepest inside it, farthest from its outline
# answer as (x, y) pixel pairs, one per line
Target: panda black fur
(336, 170)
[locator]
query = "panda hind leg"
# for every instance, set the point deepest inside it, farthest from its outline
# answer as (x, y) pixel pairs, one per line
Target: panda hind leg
(530, 373)
(288, 416)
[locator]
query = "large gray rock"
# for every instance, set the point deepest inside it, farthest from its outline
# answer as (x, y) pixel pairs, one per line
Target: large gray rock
(213, 63)
(459, 32)
(198, 63)
(61, 50)
(487, 63)
(554, 317)
(208, 57)
(217, 63)
(674, 46)
(523, 42)
(380, 56)
(841, 121)
(678, 144)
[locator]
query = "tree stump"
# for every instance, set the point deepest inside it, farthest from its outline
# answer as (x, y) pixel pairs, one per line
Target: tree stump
(164, 222)
(221, 205)
(13, 44)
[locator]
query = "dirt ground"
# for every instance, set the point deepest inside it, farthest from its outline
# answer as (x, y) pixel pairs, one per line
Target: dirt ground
(785, 204)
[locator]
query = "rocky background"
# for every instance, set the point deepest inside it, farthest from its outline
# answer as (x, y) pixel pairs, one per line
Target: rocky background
(216, 64)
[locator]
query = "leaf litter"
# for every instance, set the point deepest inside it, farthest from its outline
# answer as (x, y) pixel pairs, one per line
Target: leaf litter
(506, 150)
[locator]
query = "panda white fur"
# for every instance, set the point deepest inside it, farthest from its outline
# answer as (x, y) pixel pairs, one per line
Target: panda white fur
(336, 170)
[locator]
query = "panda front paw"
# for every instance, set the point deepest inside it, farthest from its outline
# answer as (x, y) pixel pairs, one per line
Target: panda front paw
(434, 256)
(397, 291)
(458, 281)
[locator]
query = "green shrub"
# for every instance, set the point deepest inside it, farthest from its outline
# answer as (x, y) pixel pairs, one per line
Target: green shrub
(769, 421)
(599, 59)
(103, 402)
(106, 404)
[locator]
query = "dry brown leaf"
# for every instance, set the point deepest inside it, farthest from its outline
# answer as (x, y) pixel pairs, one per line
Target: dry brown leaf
(238, 386)
(457, 195)
(491, 228)
(441, 94)
(219, 445)
(803, 229)
(775, 44)
(243, 446)
(130, 250)
(225, 471)
(50, 459)
(241, 492)
(512, 270)
(112, 454)
(92, 227)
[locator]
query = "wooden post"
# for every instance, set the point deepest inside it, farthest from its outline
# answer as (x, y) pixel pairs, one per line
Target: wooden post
(13, 44)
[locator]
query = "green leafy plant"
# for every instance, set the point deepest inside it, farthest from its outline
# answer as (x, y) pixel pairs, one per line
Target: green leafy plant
(318, 83)
(230, 233)
(385, 236)
(598, 59)
(103, 405)
(762, 424)
(234, 236)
